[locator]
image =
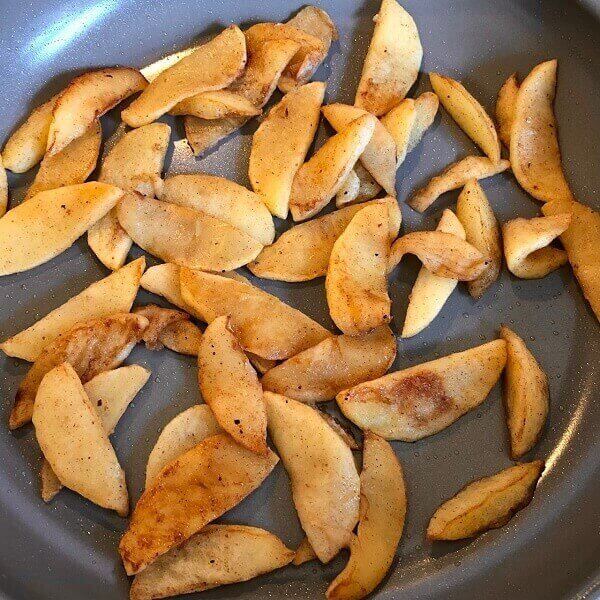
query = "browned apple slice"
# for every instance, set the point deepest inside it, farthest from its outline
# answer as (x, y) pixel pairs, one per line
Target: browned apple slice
(505, 108)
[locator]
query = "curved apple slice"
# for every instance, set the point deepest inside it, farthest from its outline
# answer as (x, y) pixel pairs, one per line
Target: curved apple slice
(216, 105)
(357, 187)
(182, 337)
(534, 151)
(505, 108)
(325, 484)
(422, 400)
(487, 503)
(304, 553)
(382, 514)
(526, 245)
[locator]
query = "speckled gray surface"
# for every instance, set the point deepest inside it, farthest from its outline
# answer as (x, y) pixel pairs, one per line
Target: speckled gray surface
(550, 550)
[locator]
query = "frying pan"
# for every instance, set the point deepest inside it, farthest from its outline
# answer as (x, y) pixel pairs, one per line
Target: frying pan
(551, 549)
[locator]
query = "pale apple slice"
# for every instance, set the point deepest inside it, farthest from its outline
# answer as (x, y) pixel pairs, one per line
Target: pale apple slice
(505, 108)
(262, 323)
(526, 395)
(534, 151)
(160, 320)
(217, 555)
(468, 114)
(487, 503)
(357, 187)
(113, 294)
(190, 492)
(38, 230)
(337, 363)
(302, 252)
(280, 145)
(90, 348)
(86, 99)
(356, 282)
(482, 231)
(325, 484)
(212, 66)
(230, 386)
(430, 291)
(382, 514)
(393, 60)
(426, 107)
(454, 177)
(414, 403)
(526, 245)
(379, 156)
(73, 440)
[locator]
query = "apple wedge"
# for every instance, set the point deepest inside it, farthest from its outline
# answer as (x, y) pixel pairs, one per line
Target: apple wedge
(182, 337)
(163, 321)
(217, 555)
(526, 245)
(212, 66)
(414, 403)
(482, 231)
(430, 292)
(50, 485)
(261, 322)
(280, 145)
(163, 280)
(302, 252)
(90, 348)
(74, 442)
(86, 99)
(304, 553)
(337, 363)
(487, 503)
(454, 177)
(469, 115)
(379, 156)
(230, 386)
(382, 514)
(203, 134)
(505, 108)
(190, 492)
(216, 105)
(393, 60)
(325, 484)
(356, 282)
(357, 187)
(318, 180)
(38, 230)
(534, 151)
(526, 395)
(426, 107)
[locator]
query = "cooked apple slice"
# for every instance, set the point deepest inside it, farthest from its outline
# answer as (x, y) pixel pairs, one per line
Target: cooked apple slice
(217, 555)
(3, 189)
(181, 434)
(343, 431)
(444, 254)
(414, 403)
(302, 252)
(526, 395)
(304, 553)
(582, 243)
(426, 106)
(261, 322)
(379, 156)
(356, 282)
(223, 199)
(70, 166)
(382, 514)
(190, 492)
(86, 99)
(182, 337)
(454, 177)
(430, 291)
(160, 320)
(203, 134)
(393, 60)
(534, 151)
(526, 245)
(216, 105)
(36, 231)
(230, 386)
(74, 442)
(505, 108)
(487, 503)
(50, 485)
(482, 231)
(27, 145)
(280, 144)
(262, 365)
(337, 363)
(468, 114)
(212, 66)
(325, 484)
(90, 348)
(163, 280)
(357, 187)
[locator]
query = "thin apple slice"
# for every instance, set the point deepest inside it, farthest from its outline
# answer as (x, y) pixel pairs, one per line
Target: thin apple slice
(505, 108)
(190, 492)
(325, 484)
(182, 337)
(357, 187)
(487, 503)
(160, 319)
(414, 403)
(216, 105)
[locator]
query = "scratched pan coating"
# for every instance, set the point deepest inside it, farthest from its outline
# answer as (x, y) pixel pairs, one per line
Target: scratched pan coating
(550, 550)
